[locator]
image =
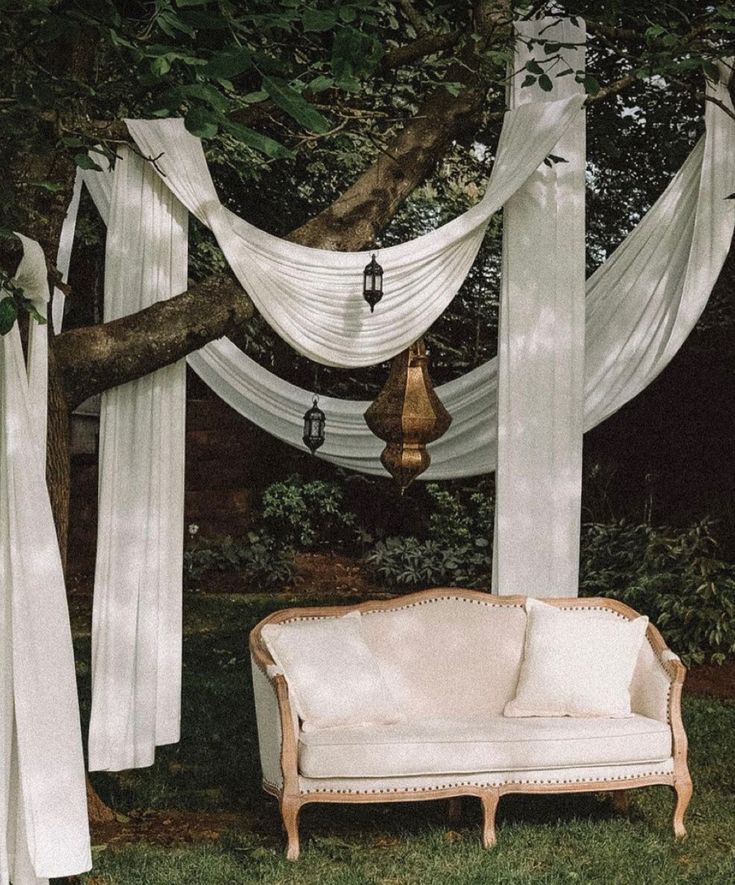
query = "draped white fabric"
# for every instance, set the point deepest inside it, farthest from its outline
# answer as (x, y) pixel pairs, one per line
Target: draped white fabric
(640, 306)
(43, 807)
(136, 629)
(538, 476)
(655, 283)
(313, 297)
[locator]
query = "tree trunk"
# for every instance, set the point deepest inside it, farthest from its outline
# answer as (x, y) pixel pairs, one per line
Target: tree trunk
(58, 461)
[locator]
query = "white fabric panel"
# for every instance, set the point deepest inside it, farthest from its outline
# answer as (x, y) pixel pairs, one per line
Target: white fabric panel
(43, 807)
(136, 630)
(437, 745)
(313, 297)
(541, 350)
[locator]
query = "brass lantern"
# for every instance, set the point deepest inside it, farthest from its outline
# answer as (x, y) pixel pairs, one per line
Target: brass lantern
(372, 283)
(314, 421)
(408, 415)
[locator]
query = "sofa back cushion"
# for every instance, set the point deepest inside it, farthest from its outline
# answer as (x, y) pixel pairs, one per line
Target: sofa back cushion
(333, 677)
(448, 655)
(576, 662)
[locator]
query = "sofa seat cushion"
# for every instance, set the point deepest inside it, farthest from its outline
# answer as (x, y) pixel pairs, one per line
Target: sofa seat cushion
(481, 743)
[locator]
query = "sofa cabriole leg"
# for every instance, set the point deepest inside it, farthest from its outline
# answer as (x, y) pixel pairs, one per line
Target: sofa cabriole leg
(489, 799)
(454, 808)
(621, 801)
(290, 808)
(683, 791)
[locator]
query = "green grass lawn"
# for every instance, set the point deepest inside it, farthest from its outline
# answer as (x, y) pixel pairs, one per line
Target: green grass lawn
(542, 839)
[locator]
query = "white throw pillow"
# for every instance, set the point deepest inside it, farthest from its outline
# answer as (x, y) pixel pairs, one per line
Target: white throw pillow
(333, 677)
(576, 662)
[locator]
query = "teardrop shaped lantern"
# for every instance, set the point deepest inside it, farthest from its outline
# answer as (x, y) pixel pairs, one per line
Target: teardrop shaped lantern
(408, 415)
(314, 421)
(372, 283)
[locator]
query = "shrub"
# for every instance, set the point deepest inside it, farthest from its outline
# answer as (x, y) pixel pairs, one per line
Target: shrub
(308, 514)
(260, 557)
(415, 563)
(463, 516)
(457, 551)
(672, 575)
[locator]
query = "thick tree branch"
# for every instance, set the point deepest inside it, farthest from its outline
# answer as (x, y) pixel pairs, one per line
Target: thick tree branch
(95, 358)
(409, 53)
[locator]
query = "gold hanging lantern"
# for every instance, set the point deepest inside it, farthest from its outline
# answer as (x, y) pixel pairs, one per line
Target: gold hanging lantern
(408, 415)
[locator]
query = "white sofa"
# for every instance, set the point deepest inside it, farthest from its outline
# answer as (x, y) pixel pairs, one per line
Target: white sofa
(452, 658)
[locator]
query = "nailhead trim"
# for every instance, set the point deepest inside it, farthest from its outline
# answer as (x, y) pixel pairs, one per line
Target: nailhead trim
(455, 784)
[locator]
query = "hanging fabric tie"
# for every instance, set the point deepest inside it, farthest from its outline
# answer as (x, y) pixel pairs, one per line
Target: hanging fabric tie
(43, 807)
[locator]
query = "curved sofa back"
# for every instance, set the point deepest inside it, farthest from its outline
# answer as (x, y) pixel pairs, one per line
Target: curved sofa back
(458, 652)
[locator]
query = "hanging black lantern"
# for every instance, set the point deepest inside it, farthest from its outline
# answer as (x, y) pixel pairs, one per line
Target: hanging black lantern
(372, 286)
(314, 421)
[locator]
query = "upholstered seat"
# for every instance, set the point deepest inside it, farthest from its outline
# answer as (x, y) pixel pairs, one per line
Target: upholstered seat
(487, 743)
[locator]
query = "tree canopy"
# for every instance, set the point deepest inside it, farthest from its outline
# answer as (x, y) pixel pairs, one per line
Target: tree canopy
(339, 124)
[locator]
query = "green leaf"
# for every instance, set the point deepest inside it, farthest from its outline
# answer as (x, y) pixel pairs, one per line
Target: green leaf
(207, 94)
(529, 80)
(591, 86)
(202, 123)
(295, 105)
(160, 65)
(533, 67)
(256, 140)
(348, 13)
(319, 19)
(255, 97)
(453, 88)
(229, 63)
(52, 187)
(544, 81)
(8, 315)
(84, 161)
(320, 83)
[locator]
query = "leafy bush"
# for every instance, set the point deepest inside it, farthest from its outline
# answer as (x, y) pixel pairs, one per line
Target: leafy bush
(457, 551)
(414, 563)
(260, 557)
(308, 514)
(672, 575)
(463, 516)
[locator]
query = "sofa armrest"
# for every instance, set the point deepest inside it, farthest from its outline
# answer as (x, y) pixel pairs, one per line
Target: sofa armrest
(278, 727)
(659, 671)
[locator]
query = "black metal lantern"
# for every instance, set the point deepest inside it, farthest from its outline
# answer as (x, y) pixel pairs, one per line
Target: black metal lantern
(372, 286)
(314, 421)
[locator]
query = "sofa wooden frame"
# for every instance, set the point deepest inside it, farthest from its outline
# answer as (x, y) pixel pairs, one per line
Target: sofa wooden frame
(291, 800)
